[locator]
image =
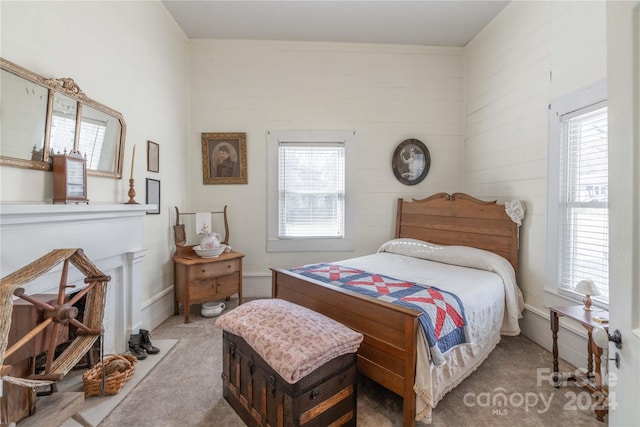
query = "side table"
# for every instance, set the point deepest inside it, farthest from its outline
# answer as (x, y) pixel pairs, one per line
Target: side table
(594, 353)
(198, 280)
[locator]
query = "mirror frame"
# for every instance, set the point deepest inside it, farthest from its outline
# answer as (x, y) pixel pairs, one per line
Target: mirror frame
(68, 87)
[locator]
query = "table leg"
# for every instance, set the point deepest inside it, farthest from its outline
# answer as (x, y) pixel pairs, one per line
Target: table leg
(176, 304)
(598, 373)
(600, 395)
(590, 353)
(554, 333)
(187, 310)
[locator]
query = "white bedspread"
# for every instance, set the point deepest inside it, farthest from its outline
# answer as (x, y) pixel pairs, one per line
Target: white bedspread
(484, 282)
(464, 256)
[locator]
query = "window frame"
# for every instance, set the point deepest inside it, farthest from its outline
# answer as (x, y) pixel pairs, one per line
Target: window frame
(582, 99)
(302, 244)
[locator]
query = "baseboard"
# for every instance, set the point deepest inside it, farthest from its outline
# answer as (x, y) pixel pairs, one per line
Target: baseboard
(256, 285)
(572, 337)
(157, 309)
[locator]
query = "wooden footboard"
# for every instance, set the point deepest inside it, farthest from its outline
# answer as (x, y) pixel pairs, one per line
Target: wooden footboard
(387, 354)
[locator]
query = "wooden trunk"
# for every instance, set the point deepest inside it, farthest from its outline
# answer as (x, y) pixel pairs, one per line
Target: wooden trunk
(325, 397)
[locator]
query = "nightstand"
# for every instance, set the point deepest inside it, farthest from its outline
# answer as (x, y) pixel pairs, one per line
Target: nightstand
(198, 280)
(592, 381)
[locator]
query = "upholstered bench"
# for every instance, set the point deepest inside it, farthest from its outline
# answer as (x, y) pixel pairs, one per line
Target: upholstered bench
(285, 365)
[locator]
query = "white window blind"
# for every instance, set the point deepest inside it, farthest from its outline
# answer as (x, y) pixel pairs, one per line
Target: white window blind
(63, 130)
(311, 179)
(91, 140)
(583, 207)
(92, 132)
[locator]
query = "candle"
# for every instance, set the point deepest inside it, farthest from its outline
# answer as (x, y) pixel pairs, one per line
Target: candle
(133, 160)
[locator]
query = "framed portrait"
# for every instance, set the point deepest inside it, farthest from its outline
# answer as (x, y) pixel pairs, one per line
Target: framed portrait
(153, 157)
(224, 158)
(153, 195)
(411, 161)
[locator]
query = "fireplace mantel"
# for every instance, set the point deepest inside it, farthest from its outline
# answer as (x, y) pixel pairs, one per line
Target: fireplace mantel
(29, 213)
(111, 236)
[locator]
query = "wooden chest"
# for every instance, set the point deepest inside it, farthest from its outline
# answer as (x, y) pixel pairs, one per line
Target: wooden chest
(325, 397)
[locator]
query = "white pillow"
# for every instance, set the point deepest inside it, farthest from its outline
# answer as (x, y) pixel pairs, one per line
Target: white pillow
(465, 256)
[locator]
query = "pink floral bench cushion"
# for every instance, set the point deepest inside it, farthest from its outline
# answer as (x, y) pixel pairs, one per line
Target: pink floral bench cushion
(293, 340)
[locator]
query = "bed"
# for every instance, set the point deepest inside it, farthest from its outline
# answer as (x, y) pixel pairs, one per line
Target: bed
(393, 353)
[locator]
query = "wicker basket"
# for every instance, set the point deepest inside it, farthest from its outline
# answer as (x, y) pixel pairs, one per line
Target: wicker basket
(114, 382)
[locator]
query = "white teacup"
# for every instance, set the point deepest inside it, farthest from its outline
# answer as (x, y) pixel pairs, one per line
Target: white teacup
(212, 309)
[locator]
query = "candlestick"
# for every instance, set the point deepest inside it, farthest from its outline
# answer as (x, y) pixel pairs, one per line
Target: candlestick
(133, 160)
(132, 194)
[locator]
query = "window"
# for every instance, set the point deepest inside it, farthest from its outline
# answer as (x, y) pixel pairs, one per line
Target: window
(92, 133)
(91, 141)
(63, 130)
(578, 213)
(309, 207)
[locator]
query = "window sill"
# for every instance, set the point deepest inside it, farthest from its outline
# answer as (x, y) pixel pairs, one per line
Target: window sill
(310, 245)
(557, 297)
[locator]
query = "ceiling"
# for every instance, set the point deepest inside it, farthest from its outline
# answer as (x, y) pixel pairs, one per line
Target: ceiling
(417, 22)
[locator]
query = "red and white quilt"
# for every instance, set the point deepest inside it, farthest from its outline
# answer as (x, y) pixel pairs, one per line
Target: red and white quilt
(443, 319)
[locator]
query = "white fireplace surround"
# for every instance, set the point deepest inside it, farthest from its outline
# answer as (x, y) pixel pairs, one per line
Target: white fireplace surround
(111, 236)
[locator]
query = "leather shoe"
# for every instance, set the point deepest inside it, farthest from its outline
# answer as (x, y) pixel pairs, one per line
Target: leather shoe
(145, 342)
(135, 348)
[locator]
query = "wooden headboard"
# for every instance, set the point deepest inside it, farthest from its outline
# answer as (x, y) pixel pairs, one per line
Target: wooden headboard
(459, 219)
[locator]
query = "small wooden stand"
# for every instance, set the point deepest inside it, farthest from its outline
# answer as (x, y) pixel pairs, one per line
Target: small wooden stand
(592, 380)
(198, 280)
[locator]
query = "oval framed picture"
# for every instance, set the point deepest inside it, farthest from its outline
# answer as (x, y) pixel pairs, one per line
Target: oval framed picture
(411, 161)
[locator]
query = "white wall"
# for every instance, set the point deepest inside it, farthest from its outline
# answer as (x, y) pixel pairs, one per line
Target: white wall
(132, 57)
(135, 60)
(495, 92)
(385, 93)
(530, 54)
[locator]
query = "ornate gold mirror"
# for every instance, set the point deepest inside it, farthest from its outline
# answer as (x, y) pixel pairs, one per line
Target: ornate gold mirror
(41, 116)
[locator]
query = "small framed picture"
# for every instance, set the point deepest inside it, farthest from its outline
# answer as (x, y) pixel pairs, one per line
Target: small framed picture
(153, 157)
(153, 195)
(411, 161)
(224, 158)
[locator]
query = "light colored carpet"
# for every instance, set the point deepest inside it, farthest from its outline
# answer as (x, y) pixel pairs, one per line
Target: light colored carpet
(185, 388)
(96, 408)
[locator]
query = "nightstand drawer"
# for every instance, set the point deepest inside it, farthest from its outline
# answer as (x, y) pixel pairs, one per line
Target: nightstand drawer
(214, 269)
